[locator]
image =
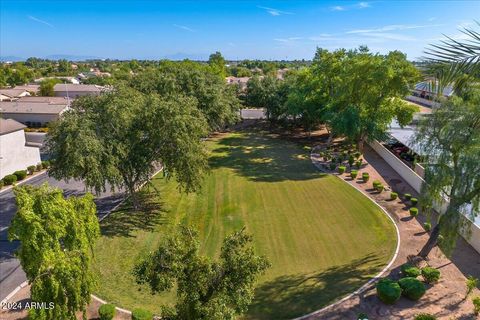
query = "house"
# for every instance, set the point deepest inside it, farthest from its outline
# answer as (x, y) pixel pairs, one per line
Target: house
(426, 92)
(12, 94)
(240, 81)
(63, 79)
(33, 114)
(34, 89)
(76, 90)
(15, 152)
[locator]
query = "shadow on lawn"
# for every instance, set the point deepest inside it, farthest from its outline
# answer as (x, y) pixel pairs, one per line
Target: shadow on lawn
(291, 296)
(128, 219)
(262, 158)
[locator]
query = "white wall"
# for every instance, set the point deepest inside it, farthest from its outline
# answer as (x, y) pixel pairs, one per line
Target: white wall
(14, 154)
(423, 101)
(415, 181)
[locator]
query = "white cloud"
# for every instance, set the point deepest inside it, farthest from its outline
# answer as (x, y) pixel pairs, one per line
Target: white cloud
(432, 19)
(184, 28)
(389, 36)
(274, 12)
(40, 21)
(393, 27)
(360, 5)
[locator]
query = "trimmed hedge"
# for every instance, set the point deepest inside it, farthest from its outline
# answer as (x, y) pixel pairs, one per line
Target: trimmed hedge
(39, 167)
(365, 176)
(9, 179)
(31, 169)
(409, 270)
(140, 314)
(21, 174)
(393, 195)
(351, 160)
(431, 275)
(376, 183)
(45, 164)
(388, 291)
(427, 226)
(379, 188)
(106, 311)
(341, 169)
(413, 201)
(407, 196)
(412, 288)
(413, 212)
(425, 316)
(353, 174)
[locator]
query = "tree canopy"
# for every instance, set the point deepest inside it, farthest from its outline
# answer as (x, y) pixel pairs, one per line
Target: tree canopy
(120, 138)
(217, 62)
(56, 239)
(213, 290)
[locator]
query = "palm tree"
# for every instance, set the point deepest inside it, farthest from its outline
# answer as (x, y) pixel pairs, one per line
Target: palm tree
(454, 61)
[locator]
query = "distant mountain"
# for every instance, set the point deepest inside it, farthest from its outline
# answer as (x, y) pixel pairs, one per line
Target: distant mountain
(70, 57)
(190, 56)
(11, 58)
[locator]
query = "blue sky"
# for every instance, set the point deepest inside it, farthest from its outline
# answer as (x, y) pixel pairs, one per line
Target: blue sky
(239, 29)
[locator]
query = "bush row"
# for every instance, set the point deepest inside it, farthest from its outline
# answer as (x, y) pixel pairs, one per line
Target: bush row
(19, 175)
(108, 311)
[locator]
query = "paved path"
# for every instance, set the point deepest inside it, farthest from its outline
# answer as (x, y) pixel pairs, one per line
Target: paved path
(11, 274)
(444, 299)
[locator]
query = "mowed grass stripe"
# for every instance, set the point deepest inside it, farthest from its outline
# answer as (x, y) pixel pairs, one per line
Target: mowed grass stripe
(323, 238)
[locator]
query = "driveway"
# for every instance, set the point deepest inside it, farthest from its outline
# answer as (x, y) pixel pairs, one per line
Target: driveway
(11, 274)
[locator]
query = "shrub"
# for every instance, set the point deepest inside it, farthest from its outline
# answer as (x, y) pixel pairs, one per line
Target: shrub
(476, 305)
(351, 160)
(45, 164)
(376, 183)
(427, 226)
(407, 196)
(414, 212)
(414, 201)
(379, 188)
(140, 314)
(388, 291)
(106, 311)
(31, 169)
(341, 169)
(353, 174)
(409, 270)
(362, 316)
(471, 282)
(9, 179)
(358, 163)
(332, 166)
(365, 176)
(431, 275)
(21, 174)
(1, 183)
(425, 316)
(39, 167)
(393, 195)
(412, 288)
(357, 154)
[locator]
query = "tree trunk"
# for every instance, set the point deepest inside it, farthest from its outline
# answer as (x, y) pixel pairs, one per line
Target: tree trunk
(360, 145)
(431, 243)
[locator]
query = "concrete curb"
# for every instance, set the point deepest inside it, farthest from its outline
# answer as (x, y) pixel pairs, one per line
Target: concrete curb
(379, 275)
(23, 181)
(14, 292)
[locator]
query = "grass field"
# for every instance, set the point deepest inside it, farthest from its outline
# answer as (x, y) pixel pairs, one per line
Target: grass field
(323, 238)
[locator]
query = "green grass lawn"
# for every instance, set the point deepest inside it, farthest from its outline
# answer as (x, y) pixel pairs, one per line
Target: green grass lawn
(324, 239)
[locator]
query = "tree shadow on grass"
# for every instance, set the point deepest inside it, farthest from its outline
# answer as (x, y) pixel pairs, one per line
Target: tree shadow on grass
(261, 157)
(291, 296)
(127, 219)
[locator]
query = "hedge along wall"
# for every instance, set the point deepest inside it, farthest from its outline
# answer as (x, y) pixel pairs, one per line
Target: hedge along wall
(471, 233)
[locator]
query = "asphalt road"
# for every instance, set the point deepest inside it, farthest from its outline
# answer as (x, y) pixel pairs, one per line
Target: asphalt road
(11, 273)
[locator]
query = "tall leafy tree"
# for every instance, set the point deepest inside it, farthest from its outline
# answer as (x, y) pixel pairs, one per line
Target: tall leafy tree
(369, 94)
(213, 290)
(217, 62)
(215, 99)
(47, 85)
(56, 237)
(450, 139)
(120, 138)
(270, 93)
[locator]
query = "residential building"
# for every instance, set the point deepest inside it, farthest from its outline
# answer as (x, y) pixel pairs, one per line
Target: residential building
(76, 90)
(12, 94)
(33, 114)
(15, 152)
(240, 81)
(72, 80)
(34, 89)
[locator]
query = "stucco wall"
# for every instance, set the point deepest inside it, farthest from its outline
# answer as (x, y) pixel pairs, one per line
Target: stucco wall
(14, 155)
(74, 94)
(472, 236)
